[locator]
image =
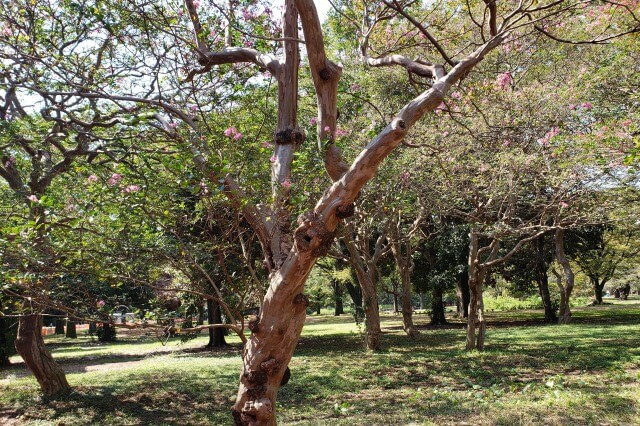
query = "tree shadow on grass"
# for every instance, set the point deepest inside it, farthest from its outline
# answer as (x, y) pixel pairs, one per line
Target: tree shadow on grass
(150, 399)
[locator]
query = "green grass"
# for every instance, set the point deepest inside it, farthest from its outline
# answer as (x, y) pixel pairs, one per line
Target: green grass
(587, 372)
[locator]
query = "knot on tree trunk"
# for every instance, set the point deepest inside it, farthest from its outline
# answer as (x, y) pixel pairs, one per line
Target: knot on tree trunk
(312, 235)
(255, 378)
(325, 74)
(271, 366)
(289, 137)
(260, 410)
(301, 299)
(345, 211)
(254, 324)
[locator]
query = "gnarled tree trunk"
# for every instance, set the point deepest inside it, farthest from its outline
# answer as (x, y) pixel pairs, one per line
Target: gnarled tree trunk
(38, 359)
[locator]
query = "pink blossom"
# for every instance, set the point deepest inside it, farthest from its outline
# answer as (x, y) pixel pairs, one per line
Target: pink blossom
(131, 188)
(193, 109)
(237, 136)
(230, 131)
(544, 141)
(572, 107)
(355, 87)
(340, 132)
(196, 4)
(92, 178)
(246, 14)
(267, 144)
(456, 95)
(506, 142)
(286, 183)
(587, 105)
(313, 121)
(327, 129)
(564, 205)
(114, 179)
(405, 179)
(273, 159)
(172, 125)
(626, 123)
(101, 303)
(440, 108)
(33, 198)
(6, 31)
(505, 80)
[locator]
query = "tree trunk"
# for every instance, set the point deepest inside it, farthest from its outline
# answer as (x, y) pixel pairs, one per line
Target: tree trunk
(567, 287)
(477, 273)
(33, 351)
(542, 279)
(200, 320)
(396, 305)
(597, 289)
(214, 316)
(462, 295)
(437, 308)
(71, 331)
(59, 326)
(407, 308)
(337, 296)
(355, 293)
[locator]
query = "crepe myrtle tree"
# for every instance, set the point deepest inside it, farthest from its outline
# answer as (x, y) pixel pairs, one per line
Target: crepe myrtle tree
(291, 251)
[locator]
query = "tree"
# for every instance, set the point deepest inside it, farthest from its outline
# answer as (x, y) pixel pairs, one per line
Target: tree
(599, 249)
(160, 36)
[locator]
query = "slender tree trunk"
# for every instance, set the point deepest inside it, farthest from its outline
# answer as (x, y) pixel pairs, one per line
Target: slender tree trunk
(396, 305)
(71, 331)
(33, 351)
(462, 295)
(407, 308)
(402, 256)
(200, 319)
(542, 279)
(214, 316)
(437, 308)
(476, 320)
(337, 296)
(567, 276)
(371, 311)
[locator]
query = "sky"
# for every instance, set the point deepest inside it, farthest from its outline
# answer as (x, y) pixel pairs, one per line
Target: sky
(323, 6)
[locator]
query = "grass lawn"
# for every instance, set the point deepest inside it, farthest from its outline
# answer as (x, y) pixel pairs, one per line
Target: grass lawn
(530, 374)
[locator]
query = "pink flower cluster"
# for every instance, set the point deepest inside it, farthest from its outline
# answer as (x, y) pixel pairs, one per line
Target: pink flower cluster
(131, 188)
(92, 178)
(114, 179)
(232, 132)
(504, 80)
(544, 141)
(33, 198)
